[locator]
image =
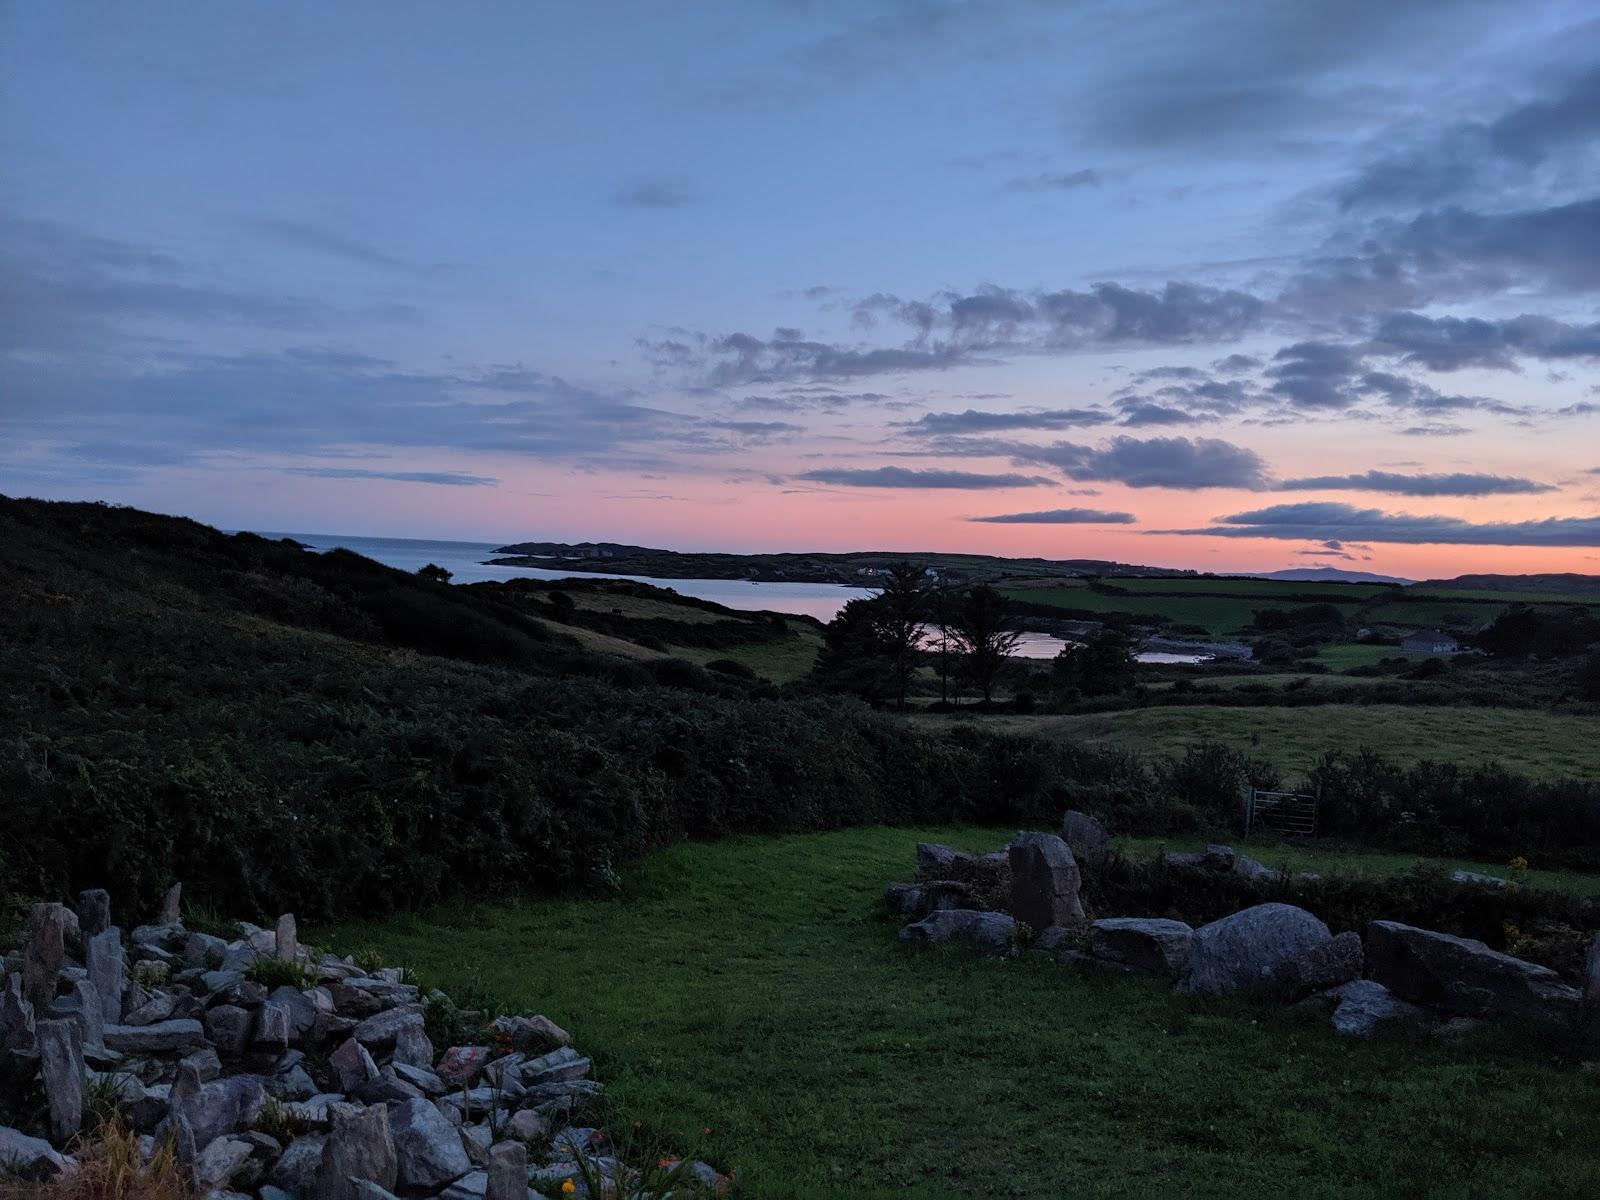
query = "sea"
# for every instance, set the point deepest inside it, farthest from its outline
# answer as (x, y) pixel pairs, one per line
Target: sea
(467, 562)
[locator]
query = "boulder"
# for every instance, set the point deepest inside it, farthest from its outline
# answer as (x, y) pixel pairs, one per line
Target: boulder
(229, 1105)
(387, 1088)
(296, 1168)
(428, 1150)
(1153, 944)
(1044, 881)
(161, 1037)
(1327, 966)
(507, 1172)
(412, 1048)
(1465, 976)
(44, 955)
(1087, 837)
(1240, 952)
(228, 1026)
(217, 1164)
(302, 1008)
(472, 1186)
(934, 861)
(1212, 858)
(522, 1028)
(1249, 868)
(204, 1062)
(359, 1146)
(206, 948)
(94, 911)
(352, 1066)
(1365, 1007)
(108, 971)
(158, 1007)
(528, 1125)
(65, 1077)
(16, 1017)
(1478, 879)
(380, 1031)
(424, 1080)
(991, 930)
(80, 1003)
(459, 1065)
(272, 1027)
(32, 1158)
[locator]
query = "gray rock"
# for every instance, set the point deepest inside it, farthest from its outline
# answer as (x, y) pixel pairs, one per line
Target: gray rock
(204, 1062)
(286, 939)
(81, 1004)
(1249, 868)
(270, 1192)
(427, 1148)
(934, 861)
(1212, 858)
(62, 1069)
(459, 1065)
(379, 1031)
(1240, 952)
(240, 956)
(905, 899)
(302, 1008)
(1087, 837)
(507, 1172)
(158, 1008)
(219, 980)
(108, 971)
(32, 1157)
(1477, 879)
(412, 1048)
(228, 1026)
(163, 941)
(365, 1189)
(529, 1125)
(206, 948)
(172, 906)
(990, 930)
(352, 1066)
(94, 911)
(1044, 881)
(217, 1164)
(44, 955)
(387, 1089)
(229, 1105)
(294, 1084)
(424, 1080)
(296, 1169)
(1152, 944)
(1365, 1007)
(358, 1147)
(272, 1027)
(472, 1186)
(521, 1028)
(1327, 966)
(1465, 976)
(16, 1017)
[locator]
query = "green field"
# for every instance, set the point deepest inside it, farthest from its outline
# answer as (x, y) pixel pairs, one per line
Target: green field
(1542, 744)
(1345, 655)
(1259, 589)
(781, 661)
(746, 989)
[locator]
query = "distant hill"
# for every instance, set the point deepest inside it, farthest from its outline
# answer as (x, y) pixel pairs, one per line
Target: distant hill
(1330, 575)
(1565, 584)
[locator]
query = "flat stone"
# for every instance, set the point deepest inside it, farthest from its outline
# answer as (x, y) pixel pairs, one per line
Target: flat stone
(216, 1165)
(1212, 858)
(420, 1078)
(62, 1069)
(160, 1037)
(1090, 843)
(990, 930)
(934, 861)
(1044, 882)
(1153, 944)
(427, 1148)
(387, 1089)
(159, 1007)
(1365, 1007)
(1240, 952)
(34, 1158)
(1477, 879)
(379, 1031)
(1462, 975)
(472, 1186)
(359, 1146)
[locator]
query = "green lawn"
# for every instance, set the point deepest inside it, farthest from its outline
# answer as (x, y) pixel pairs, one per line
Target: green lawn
(747, 988)
(1542, 744)
(1344, 655)
(781, 661)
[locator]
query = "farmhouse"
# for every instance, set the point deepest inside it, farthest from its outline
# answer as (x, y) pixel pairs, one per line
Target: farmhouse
(1430, 641)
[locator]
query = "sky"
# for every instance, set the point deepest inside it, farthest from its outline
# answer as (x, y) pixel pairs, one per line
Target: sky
(1235, 286)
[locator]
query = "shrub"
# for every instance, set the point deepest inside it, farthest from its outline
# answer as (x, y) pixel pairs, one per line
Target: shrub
(280, 972)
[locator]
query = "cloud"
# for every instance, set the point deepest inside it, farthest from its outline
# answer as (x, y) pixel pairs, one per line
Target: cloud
(1458, 484)
(1053, 181)
(1060, 516)
(1455, 343)
(651, 195)
(975, 421)
(326, 241)
(1320, 521)
(444, 478)
(903, 477)
(1175, 462)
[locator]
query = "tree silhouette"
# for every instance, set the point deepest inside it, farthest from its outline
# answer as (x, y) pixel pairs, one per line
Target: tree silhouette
(978, 628)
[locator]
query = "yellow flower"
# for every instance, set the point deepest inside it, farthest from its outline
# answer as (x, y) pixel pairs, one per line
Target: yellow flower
(568, 1187)
(1519, 863)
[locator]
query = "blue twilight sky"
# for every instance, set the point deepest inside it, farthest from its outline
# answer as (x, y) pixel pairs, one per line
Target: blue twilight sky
(1082, 279)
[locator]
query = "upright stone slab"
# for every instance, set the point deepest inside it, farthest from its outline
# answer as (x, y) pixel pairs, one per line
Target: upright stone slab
(358, 1147)
(16, 1017)
(108, 971)
(1044, 881)
(286, 939)
(172, 906)
(61, 1067)
(508, 1172)
(1086, 837)
(81, 1005)
(46, 952)
(94, 911)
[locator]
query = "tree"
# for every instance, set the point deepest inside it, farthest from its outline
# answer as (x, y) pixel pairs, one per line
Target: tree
(1101, 666)
(871, 646)
(433, 573)
(978, 628)
(903, 620)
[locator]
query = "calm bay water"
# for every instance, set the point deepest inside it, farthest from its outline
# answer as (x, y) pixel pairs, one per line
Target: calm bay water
(466, 563)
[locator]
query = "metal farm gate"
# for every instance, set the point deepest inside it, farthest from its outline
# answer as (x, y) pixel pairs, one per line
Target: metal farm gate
(1291, 814)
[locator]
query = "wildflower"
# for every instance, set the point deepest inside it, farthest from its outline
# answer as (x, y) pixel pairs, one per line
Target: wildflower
(1519, 863)
(568, 1187)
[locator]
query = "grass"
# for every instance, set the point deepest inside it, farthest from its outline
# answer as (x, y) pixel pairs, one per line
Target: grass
(1541, 744)
(746, 988)
(781, 661)
(1344, 655)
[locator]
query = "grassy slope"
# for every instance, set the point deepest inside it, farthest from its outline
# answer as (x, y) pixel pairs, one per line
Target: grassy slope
(1540, 744)
(747, 988)
(781, 662)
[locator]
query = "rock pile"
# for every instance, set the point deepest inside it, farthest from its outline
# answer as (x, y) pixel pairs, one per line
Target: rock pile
(276, 1072)
(1395, 974)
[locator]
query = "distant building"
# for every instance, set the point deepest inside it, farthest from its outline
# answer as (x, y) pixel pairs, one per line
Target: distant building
(1430, 641)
